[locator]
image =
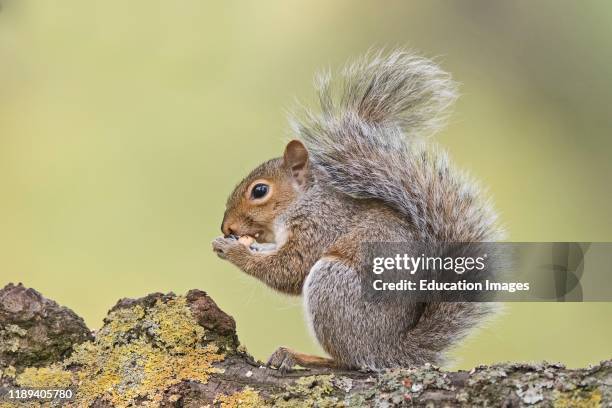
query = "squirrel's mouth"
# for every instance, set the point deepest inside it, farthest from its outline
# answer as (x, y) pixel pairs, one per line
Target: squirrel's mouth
(259, 236)
(263, 236)
(255, 239)
(254, 234)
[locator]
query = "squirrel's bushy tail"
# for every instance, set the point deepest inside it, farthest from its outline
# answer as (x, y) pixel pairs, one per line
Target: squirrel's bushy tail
(366, 142)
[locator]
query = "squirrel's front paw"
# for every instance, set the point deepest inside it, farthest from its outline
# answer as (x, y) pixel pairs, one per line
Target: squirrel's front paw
(283, 359)
(224, 245)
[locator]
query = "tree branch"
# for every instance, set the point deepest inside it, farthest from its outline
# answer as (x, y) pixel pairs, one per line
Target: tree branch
(182, 351)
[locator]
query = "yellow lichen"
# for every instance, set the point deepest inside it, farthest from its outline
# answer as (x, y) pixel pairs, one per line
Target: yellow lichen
(53, 376)
(140, 370)
(578, 399)
(176, 326)
(119, 322)
(29, 404)
(138, 354)
(142, 352)
(247, 398)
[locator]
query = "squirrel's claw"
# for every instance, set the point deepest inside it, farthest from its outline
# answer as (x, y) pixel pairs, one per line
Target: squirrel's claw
(222, 244)
(282, 359)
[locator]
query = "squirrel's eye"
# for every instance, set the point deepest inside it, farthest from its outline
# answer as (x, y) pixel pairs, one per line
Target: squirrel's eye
(259, 191)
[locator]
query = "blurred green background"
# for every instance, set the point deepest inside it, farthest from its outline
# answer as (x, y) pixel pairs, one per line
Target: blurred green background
(124, 126)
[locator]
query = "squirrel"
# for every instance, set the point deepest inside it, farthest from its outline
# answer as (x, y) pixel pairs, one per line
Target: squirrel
(361, 170)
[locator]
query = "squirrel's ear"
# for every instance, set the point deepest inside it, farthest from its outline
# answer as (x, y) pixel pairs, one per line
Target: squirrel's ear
(296, 159)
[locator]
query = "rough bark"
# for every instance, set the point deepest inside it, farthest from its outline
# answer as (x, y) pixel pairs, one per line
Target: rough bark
(182, 351)
(35, 331)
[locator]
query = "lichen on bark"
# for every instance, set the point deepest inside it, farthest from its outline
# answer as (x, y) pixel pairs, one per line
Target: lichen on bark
(144, 347)
(182, 351)
(142, 351)
(35, 331)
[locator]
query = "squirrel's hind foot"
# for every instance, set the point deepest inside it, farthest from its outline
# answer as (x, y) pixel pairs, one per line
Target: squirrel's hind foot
(285, 360)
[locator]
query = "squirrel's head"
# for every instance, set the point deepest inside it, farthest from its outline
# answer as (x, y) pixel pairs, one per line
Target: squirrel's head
(265, 194)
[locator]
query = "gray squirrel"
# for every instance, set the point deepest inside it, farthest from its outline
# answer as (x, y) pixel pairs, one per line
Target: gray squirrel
(360, 171)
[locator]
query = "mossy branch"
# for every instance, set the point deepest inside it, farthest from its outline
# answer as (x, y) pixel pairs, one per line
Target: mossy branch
(182, 351)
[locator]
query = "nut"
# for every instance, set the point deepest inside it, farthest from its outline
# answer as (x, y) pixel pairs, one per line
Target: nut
(246, 240)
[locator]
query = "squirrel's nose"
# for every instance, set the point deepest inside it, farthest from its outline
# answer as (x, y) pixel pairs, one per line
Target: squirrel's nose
(228, 229)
